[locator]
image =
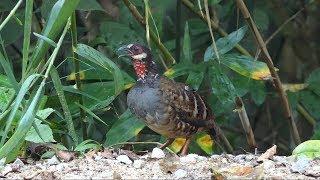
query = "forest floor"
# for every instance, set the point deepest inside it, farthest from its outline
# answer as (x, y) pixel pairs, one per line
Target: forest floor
(158, 164)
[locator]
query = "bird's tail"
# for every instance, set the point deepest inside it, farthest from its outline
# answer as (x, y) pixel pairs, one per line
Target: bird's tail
(218, 136)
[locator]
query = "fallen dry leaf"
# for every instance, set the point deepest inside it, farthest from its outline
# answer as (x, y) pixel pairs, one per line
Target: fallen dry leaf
(66, 156)
(268, 154)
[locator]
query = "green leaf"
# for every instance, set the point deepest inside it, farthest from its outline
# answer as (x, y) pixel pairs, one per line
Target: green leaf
(221, 86)
(225, 44)
(314, 81)
(205, 142)
(261, 19)
(6, 95)
(117, 34)
(101, 60)
(45, 113)
(311, 102)
(186, 49)
(4, 81)
(258, 92)
(24, 125)
(59, 15)
(46, 39)
(124, 129)
(310, 148)
(46, 135)
(87, 144)
(20, 97)
(8, 70)
(246, 66)
(195, 79)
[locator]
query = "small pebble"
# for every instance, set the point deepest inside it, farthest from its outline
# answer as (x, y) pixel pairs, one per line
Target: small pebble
(18, 162)
(124, 159)
(300, 165)
(97, 158)
(138, 163)
(157, 153)
(180, 173)
(53, 161)
(190, 158)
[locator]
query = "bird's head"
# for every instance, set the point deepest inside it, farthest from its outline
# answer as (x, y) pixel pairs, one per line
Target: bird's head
(141, 57)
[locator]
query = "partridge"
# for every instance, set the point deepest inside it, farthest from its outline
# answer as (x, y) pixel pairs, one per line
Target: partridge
(169, 108)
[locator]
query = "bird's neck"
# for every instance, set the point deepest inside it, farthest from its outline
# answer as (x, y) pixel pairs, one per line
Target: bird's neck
(145, 69)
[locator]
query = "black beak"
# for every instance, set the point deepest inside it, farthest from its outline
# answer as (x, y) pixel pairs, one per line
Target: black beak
(123, 51)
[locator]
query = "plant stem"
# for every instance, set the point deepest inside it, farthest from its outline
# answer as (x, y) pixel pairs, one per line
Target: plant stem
(213, 24)
(12, 12)
(26, 36)
(306, 115)
(178, 30)
(269, 62)
(245, 122)
(76, 63)
(168, 57)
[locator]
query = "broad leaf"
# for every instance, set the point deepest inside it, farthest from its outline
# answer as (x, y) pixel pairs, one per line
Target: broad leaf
(195, 79)
(246, 66)
(6, 95)
(45, 136)
(205, 142)
(124, 129)
(310, 148)
(101, 60)
(221, 86)
(225, 44)
(314, 81)
(87, 144)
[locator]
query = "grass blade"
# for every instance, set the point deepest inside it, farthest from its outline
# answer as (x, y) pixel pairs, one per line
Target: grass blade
(23, 91)
(58, 86)
(26, 35)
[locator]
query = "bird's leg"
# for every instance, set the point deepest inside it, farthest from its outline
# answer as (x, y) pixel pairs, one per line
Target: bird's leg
(167, 143)
(184, 150)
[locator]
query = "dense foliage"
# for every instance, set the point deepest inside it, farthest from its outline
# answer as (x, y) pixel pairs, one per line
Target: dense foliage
(62, 82)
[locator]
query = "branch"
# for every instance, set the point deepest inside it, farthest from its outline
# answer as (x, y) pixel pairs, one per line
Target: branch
(140, 19)
(245, 122)
(268, 60)
(213, 24)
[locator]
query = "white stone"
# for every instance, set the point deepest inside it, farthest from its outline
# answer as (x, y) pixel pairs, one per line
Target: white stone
(53, 161)
(180, 173)
(138, 163)
(300, 165)
(124, 159)
(6, 170)
(157, 153)
(190, 158)
(18, 162)
(97, 158)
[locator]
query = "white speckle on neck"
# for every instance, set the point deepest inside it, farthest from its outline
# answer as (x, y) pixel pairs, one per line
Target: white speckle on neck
(140, 56)
(129, 45)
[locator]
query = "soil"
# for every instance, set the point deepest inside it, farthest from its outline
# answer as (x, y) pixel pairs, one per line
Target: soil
(110, 164)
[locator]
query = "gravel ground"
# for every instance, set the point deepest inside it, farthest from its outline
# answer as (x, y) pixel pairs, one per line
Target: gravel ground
(163, 165)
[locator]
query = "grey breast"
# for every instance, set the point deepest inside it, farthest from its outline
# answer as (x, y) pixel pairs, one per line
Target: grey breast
(145, 102)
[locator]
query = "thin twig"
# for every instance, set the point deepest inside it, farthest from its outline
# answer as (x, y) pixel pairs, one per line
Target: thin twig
(214, 46)
(213, 24)
(178, 30)
(168, 57)
(306, 115)
(274, 74)
(278, 30)
(245, 122)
